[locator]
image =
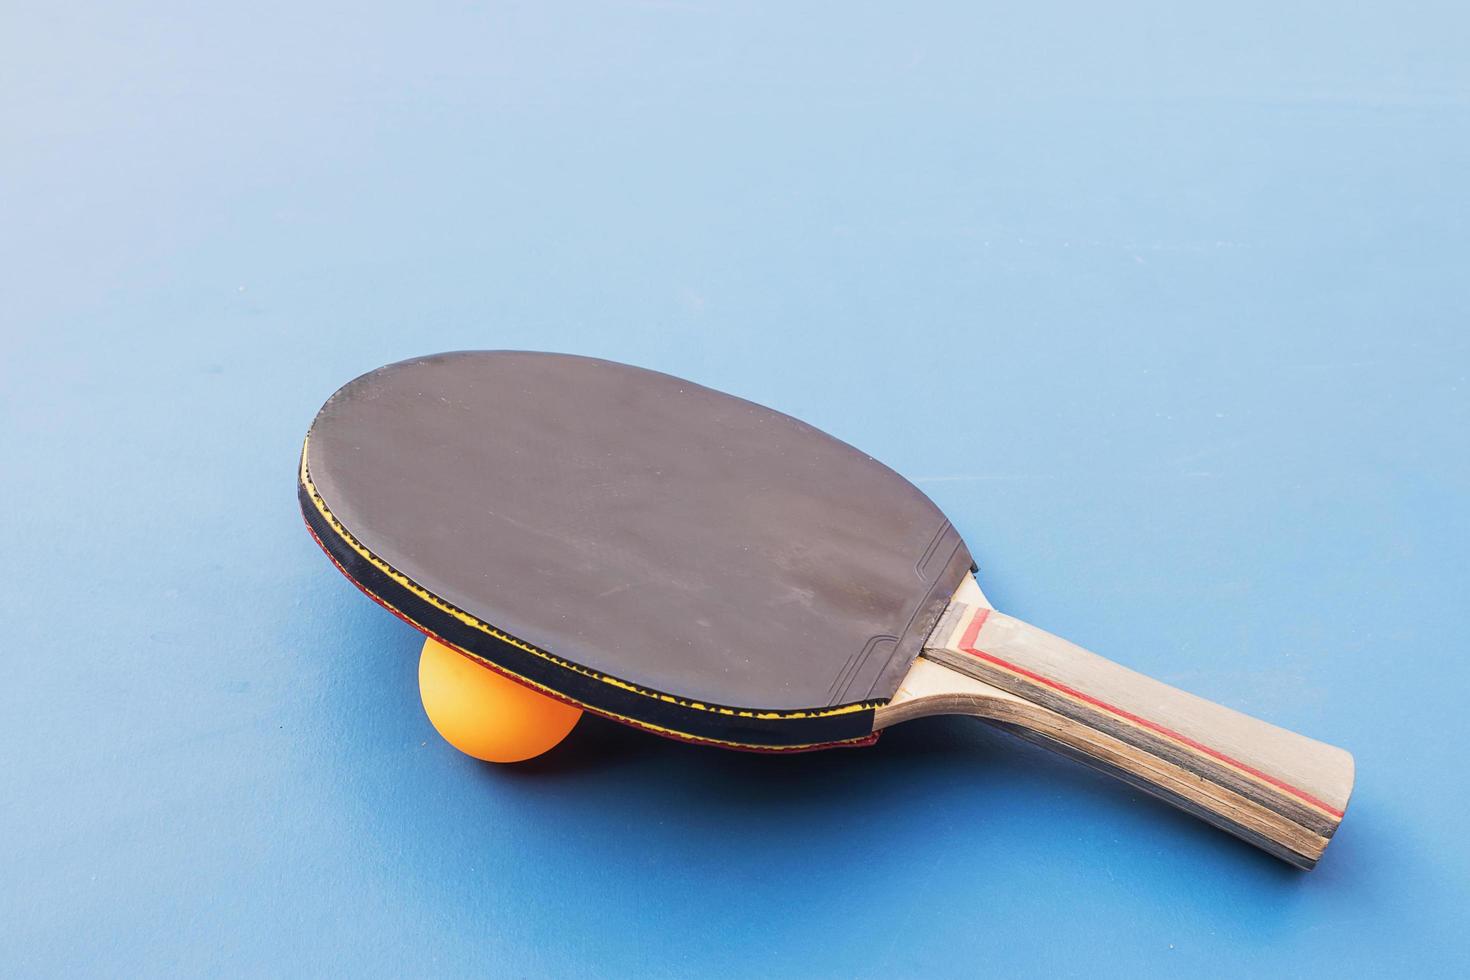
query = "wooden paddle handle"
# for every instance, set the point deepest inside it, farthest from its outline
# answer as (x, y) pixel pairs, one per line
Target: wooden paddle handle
(1279, 790)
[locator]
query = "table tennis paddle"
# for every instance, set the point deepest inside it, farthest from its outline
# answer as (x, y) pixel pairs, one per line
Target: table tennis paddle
(696, 565)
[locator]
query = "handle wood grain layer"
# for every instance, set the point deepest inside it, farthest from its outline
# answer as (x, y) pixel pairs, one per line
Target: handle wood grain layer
(1281, 791)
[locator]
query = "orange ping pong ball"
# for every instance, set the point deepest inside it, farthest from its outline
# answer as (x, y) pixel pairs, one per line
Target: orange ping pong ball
(485, 714)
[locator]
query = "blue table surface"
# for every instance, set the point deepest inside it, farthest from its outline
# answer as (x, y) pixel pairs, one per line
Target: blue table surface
(1167, 308)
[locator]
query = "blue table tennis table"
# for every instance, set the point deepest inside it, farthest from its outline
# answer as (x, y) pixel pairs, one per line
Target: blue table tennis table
(1166, 307)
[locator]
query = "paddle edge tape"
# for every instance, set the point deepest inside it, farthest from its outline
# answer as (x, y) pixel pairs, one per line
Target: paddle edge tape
(655, 711)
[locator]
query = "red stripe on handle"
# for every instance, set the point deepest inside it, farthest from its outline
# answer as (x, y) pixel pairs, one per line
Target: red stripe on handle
(967, 644)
